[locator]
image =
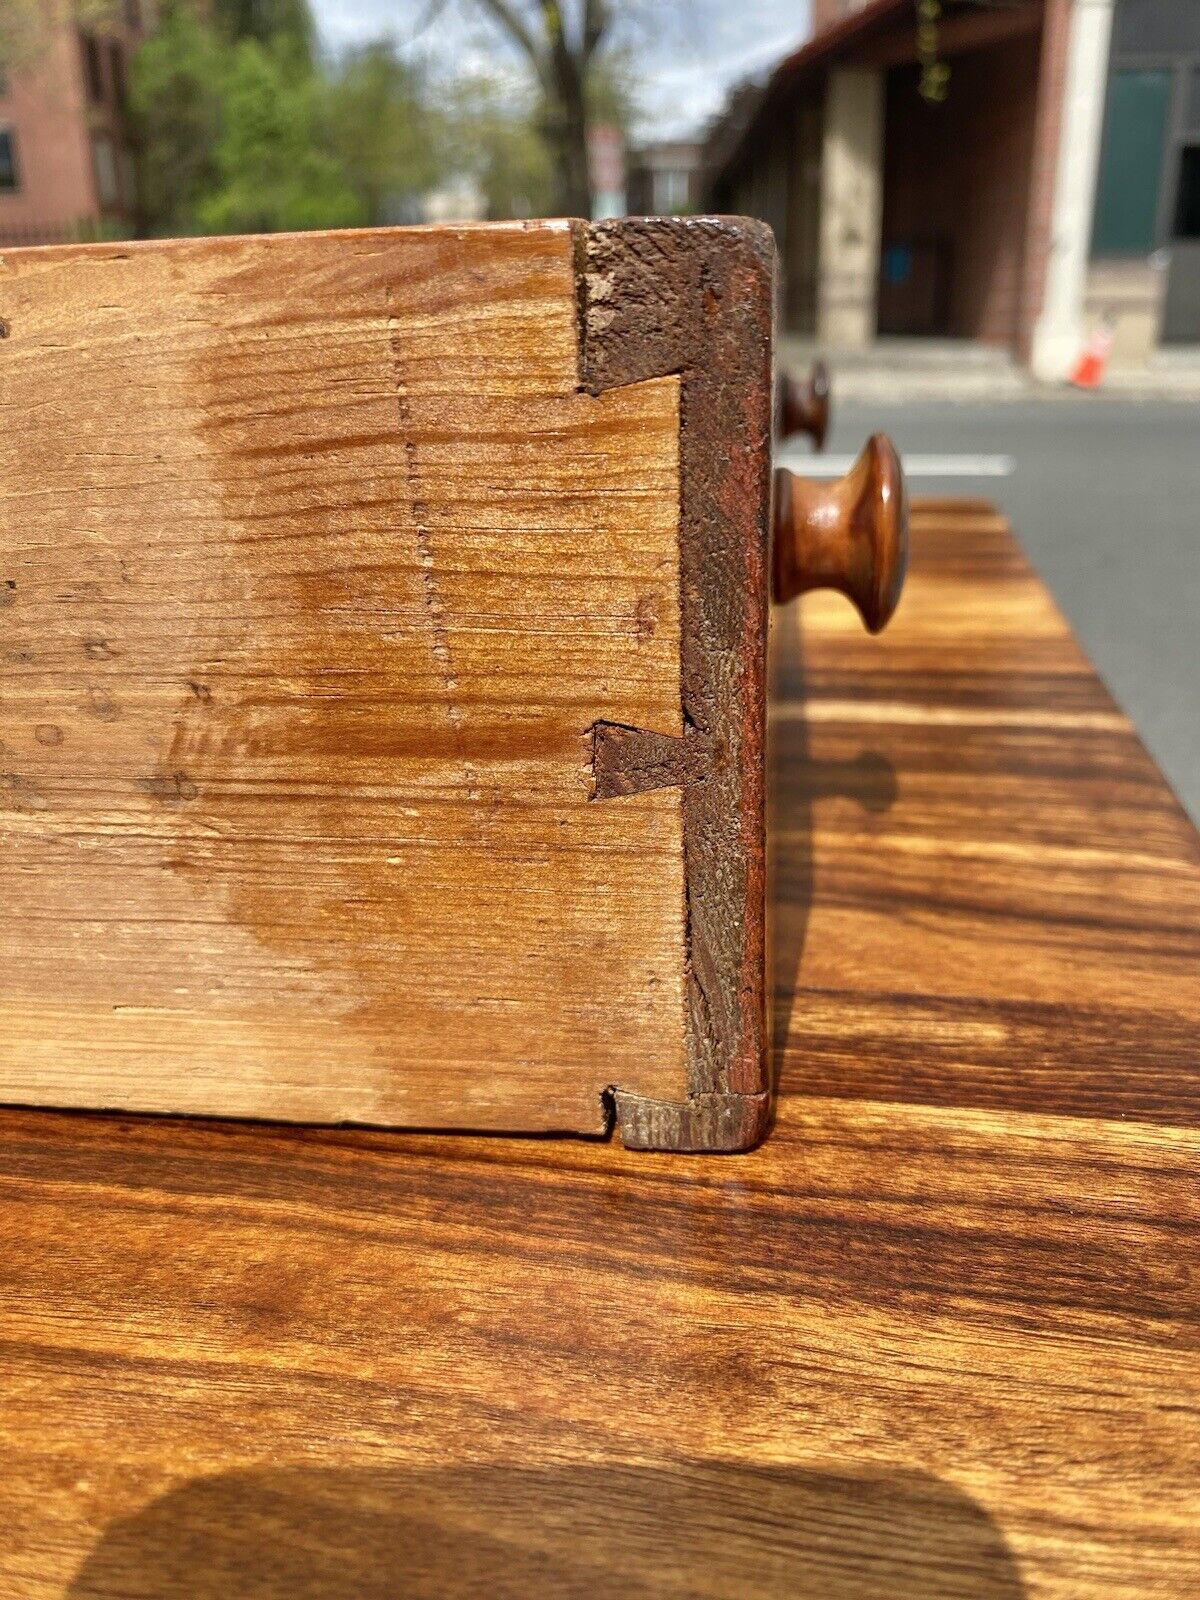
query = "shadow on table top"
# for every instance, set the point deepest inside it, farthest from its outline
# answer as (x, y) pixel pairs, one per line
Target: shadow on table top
(676, 1529)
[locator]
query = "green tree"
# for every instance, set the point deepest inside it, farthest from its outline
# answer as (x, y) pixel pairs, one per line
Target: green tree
(581, 60)
(561, 43)
(176, 103)
(274, 168)
(234, 133)
(382, 131)
(272, 22)
(499, 144)
(612, 89)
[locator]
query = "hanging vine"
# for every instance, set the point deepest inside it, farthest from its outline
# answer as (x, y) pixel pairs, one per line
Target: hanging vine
(935, 73)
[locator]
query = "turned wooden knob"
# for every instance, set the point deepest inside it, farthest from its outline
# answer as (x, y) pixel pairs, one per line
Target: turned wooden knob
(804, 406)
(851, 535)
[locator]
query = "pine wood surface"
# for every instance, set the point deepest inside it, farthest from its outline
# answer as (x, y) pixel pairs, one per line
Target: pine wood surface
(319, 568)
(938, 1336)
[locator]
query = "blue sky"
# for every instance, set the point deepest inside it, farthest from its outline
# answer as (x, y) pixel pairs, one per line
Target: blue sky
(691, 51)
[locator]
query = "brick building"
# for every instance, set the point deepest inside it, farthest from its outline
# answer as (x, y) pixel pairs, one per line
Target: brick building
(66, 165)
(928, 169)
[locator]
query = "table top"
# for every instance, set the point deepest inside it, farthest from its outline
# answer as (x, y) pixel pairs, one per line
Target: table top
(937, 1337)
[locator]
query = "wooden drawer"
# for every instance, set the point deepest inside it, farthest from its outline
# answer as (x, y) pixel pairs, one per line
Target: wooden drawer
(383, 622)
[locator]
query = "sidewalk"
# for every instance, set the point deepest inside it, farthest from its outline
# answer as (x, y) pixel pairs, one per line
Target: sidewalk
(953, 369)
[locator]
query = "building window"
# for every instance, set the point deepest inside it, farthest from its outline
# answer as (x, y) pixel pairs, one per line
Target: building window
(8, 161)
(104, 160)
(116, 71)
(1187, 208)
(93, 69)
(1131, 159)
(670, 191)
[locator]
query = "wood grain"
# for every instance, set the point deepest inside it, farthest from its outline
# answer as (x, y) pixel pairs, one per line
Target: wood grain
(938, 1337)
(1039, 934)
(695, 296)
(320, 569)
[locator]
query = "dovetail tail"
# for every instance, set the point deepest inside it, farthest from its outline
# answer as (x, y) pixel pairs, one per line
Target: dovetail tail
(629, 761)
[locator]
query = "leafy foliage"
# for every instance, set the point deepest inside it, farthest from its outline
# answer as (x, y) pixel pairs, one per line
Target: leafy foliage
(176, 103)
(273, 166)
(389, 141)
(239, 129)
(499, 145)
(240, 126)
(562, 43)
(288, 23)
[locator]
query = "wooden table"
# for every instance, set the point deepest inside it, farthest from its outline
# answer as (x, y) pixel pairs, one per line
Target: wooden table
(939, 1336)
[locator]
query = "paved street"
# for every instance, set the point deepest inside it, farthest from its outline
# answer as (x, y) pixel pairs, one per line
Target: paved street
(1105, 497)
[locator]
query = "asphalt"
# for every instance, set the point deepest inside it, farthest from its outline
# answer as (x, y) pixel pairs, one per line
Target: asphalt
(1104, 495)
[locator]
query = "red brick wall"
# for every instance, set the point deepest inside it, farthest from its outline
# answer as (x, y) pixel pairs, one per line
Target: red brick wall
(44, 104)
(826, 12)
(44, 110)
(959, 173)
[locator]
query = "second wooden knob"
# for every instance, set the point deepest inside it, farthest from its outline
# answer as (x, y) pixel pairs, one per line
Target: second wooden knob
(804, 405)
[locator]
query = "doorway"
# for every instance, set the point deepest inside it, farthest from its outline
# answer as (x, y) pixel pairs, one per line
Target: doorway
(1181, 312)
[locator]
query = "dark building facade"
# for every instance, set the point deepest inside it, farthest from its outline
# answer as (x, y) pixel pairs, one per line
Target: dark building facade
(929, 178)
(1144, 279)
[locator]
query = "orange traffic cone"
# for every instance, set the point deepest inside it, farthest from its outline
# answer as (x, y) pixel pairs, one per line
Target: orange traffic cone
(1088, 372)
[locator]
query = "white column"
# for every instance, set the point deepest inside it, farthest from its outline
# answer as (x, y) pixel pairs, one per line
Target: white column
(851, 208)
(1058, 334)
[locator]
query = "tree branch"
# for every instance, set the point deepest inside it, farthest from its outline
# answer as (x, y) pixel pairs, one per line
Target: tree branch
(596, 18)
(431, 13)
(552, 22)
(514, 24)
(563, 65)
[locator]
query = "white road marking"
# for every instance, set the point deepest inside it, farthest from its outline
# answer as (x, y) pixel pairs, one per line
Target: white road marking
(958, 466)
